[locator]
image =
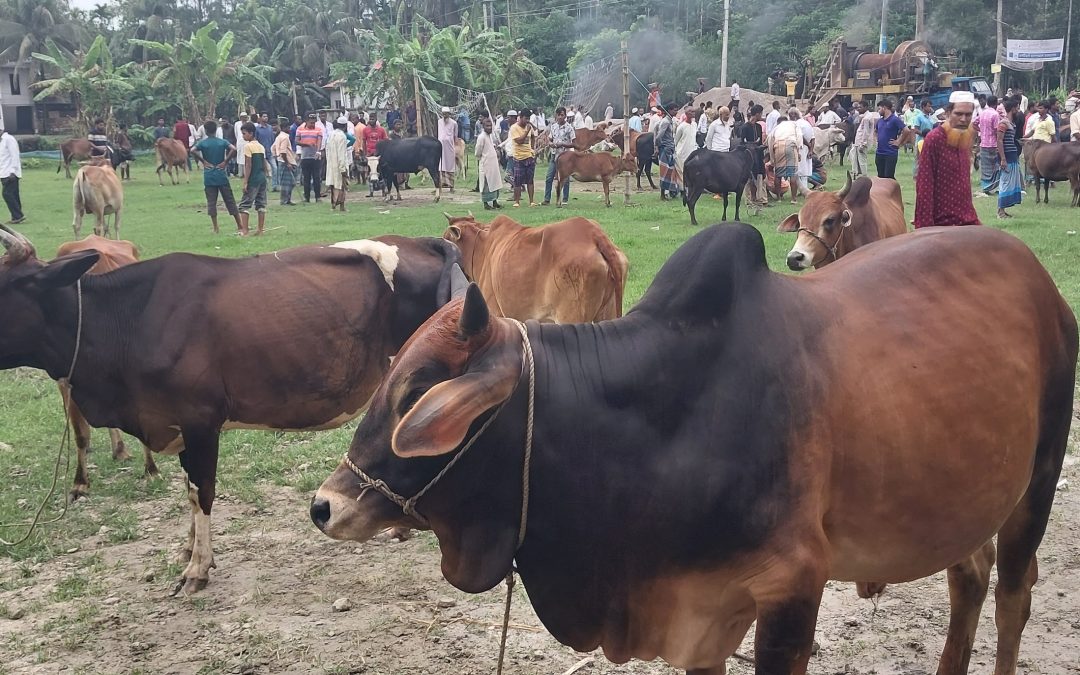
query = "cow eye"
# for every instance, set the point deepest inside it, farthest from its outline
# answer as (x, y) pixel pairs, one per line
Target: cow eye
(410, 400)
(829, 222)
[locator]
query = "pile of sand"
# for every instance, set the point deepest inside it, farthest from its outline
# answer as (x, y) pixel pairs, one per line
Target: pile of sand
(722, 96)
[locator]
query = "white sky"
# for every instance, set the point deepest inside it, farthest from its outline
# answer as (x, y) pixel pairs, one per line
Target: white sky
(85, 4)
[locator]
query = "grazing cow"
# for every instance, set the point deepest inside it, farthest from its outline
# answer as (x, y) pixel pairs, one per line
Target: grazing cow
(1053, 162)
(176, 349)
(461, 159)
(826, 141)
(590, 166)
(114, 255)
(832, 224)
(97, 190)
(408, 155)
(171, 154)
(566, 272)
(739, 438)
(720, 173)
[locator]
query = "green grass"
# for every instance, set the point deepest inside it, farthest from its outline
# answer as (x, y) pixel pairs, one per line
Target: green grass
(172, 218)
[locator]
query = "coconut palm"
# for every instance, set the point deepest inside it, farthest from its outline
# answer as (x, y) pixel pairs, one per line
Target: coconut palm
(26, 26)
(329, 37)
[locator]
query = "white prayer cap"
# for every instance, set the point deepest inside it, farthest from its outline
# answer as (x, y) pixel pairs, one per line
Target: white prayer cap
(445, 109)
(962, 97)
(633, 111)
(343, 120)
(939, 113)
(511, 113)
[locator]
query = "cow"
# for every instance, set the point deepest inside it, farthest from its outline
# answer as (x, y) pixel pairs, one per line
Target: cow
(641, 146)
(461, 158)
(408, 155)
(826, 140)
(736, 440)
(1053, 162)
(114, 158)
(114, 255)
(171, 154)
(586, 138)
(82, 150)
(832, 224)
(97, 190)
(566, 272)
(590, 166)
(720, 173)
(292, 340)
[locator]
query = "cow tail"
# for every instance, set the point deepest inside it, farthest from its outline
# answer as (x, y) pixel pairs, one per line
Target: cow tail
(617, 268)
(63, 159)
(84, 192)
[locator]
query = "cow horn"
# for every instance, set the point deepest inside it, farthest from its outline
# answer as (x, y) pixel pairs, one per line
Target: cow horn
(18, 247)
(448, 216)
(847, 187)
(459, 283)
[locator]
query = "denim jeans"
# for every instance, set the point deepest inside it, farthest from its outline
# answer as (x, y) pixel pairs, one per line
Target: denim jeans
(550, 179)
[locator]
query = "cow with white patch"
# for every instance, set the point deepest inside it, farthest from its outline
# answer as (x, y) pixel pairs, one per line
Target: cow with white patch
(292, 340)
(97, 190)
(826, 141)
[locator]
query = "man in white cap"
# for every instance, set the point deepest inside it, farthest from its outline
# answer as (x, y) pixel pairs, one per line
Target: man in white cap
(635, 120)
(337, 164)
(943, 186)
(448, 131)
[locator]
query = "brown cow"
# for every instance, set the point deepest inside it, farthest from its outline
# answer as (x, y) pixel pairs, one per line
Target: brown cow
(586, 138)
(617, 139)
(833, 224)
(74, 150)
(114, 255)
(1053, 162)
(177, 349)
(565, 272)
(97, 190)
(171, 154)
(591, 166)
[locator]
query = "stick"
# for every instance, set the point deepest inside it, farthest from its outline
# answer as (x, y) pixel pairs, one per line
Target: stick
(579, 665)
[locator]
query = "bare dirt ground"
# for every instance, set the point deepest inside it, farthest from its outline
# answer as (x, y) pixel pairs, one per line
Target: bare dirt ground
(106, 608)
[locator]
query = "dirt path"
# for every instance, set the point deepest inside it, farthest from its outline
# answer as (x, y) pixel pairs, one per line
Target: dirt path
(105, 607)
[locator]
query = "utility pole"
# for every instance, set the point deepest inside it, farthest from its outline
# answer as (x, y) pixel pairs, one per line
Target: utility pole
(419, 108)
(626, 114)
(1065, 71)
(920, 19)
(508, 31)
(723, 53)
(883, 42)
(1000, 46)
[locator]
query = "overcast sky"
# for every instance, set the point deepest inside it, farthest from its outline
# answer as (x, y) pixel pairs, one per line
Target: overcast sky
(85, 4)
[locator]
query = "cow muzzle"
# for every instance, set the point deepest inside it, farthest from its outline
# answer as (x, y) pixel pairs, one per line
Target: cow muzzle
(799, 260)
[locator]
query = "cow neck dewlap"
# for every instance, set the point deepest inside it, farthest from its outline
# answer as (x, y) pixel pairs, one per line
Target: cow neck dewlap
(384, 255)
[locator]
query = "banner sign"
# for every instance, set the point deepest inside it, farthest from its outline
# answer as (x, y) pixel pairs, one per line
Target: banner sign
(1031, 51)
(1018, 65)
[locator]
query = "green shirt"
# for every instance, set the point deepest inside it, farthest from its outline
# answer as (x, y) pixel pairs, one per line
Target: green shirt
(213, 150)
(255, 162)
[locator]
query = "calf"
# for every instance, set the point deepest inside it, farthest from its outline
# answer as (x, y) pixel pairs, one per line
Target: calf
(408, 155)
(171, 154)
(720, 173)
(97, 190)
(461, 158)
(586, 138)
(590, 166)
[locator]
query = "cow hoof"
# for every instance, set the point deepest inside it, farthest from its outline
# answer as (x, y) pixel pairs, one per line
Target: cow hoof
(400, 533)
(80, 490)
(189, 586)
(151, 472)
(120, 453)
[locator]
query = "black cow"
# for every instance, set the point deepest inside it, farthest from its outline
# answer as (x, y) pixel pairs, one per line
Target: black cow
(718, 454)
(408, 155)
(719, 173)
(643, 150)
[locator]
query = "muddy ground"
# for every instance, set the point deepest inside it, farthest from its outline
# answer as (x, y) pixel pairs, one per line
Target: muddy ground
(106, 608)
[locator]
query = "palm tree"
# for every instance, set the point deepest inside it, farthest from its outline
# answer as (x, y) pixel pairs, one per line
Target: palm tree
(330, 37)
(26, 26)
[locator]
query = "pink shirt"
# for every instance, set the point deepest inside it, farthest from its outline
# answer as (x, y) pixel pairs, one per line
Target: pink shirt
(988, 122)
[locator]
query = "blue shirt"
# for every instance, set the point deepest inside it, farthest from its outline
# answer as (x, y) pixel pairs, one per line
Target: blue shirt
(888, 129)
(292, 134)
(213, 150)
(924, 123)
(391, 117)
(265, 136)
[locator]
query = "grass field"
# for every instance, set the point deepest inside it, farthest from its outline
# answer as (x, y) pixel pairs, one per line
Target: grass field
(172, 218)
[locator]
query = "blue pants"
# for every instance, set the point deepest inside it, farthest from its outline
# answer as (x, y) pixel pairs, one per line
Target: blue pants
(550, 179)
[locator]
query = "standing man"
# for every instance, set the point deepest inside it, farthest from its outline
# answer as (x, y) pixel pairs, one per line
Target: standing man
(889, 128)
(182, 133)
(282, 150)
(464, 125)
(214, 154)
(522, 136)
(588, 121)
(240, 142)
(806, 153)
(410, 117)
(664, 141)
(371, 135)
(10, 173)
(609, 112)
(718, 137)
(265, 135)
(562, 139)
(1042, 129)
(751, 134)
(326, 129)
(161, 131)
(864, 132)
(1074, 124)
(392, 115)
(986, 125)
(773, 118)
(924, 124)
(579, 119)
(124, 143)
(635, 120)
(685, 140)
(337, 164)
(254, 184)
(736, 94)
(1010, 184)
(309, 140)
(447, 135)
(538, 120)
(943, 188)
(702, 122)
(488, 166)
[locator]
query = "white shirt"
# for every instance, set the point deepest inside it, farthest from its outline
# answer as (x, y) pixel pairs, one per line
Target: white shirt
(771, 120)
(191, 136)
(718, 137)
(327, 128)
(1074, 123)
(735, 92)
(609, 113)
(806, 162)
(579, 120)
(10, 159)
(588, 122)
(828, 118)
(635, 122)
(703, 124)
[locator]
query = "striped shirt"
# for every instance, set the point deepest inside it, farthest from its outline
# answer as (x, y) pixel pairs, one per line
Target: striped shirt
(309, 141)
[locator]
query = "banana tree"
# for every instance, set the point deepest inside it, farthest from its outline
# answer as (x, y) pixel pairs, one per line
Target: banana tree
(89, 78)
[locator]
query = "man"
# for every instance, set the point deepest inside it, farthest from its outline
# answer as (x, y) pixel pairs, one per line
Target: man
(1010, 182)
(522, 138)
(702, 127)
(282, 150)
(864, 133)
(806, 153)
(718, 137)
(182, 131)
(326, 129)
(124, 142)
(889, 128)
(578, 118)
(464, 125)
(161, 131)
(562, 139)
(943, 188)
(664, 143)
(338, 160)
(237, 130)
(10, 173)
(447, 134)
(255, 180)
(773, 118)
(1043, 128)
(264, 134)
(371, 135)
(214, 154)
(986, 124)
(410, 117)
(751, 135)
(297, 123)
(785, 146)
(685, 140)
(908, 114)
(487, 160)
(634, 121)
(829, 118)
(654, 96)
(736, 94)
(924, 124)
(504, 123)
(100, 141)
(392, 115)
(609, 112)
(539, 120)
(588, 121)
(1074, 124)
(309, 140)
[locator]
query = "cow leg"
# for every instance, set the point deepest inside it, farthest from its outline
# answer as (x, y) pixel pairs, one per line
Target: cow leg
(607, 196)
(691, 203)
(787, 608)
(119, 452)
(968, 581)
(438, 183)
(199, 460)
(738, 200)
(559, 191)
(116, 223)
(725, 206)
(160, 181)
(648, 174)
(149, 466)
(100, 228)
(80, 428)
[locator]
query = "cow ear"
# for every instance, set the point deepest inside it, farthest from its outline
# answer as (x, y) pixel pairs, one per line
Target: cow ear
(845, 218)
(65, 270)
(859, 194)
(474, 315)
(453, 233)
(789, 224)
(439, 421)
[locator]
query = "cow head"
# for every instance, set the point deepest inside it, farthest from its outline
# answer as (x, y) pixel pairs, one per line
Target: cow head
(28, 297)
(466, 232)
(821, 223)
(628, 163)
(120, 155)
(455, 372)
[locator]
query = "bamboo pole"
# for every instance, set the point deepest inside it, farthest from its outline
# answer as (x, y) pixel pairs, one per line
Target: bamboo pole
(419, 107)
(626, 114)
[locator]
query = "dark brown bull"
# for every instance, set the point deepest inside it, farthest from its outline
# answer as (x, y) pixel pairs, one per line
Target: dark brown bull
(1053, 162)
(114, 255)
(171, 154)
(591, 166)
(76, 150)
